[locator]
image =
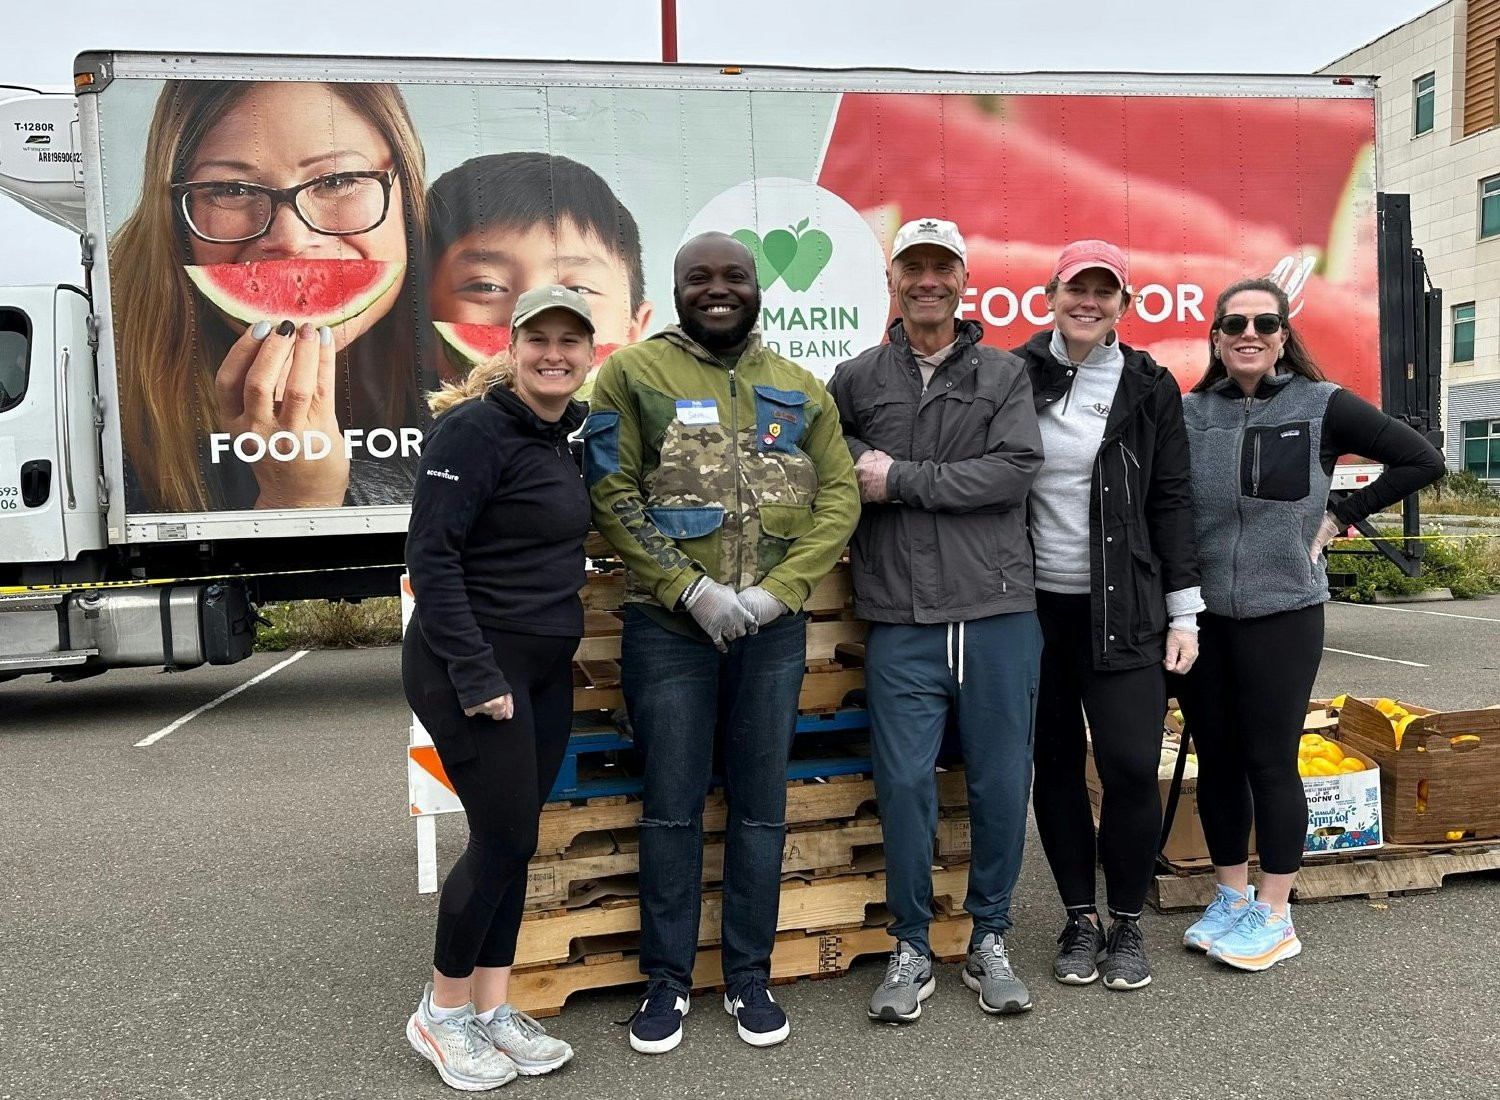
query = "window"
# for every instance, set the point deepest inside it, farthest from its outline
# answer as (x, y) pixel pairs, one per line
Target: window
(1424, 92)
(1463, 333)
(1481, 442)
(1489, 207)
(14, 338)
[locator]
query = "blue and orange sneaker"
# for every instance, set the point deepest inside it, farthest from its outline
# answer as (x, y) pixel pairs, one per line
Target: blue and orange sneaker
(1259, 939)
(1218, 918)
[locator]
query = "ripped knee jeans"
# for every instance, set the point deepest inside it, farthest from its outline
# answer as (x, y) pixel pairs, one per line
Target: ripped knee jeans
(702, 719)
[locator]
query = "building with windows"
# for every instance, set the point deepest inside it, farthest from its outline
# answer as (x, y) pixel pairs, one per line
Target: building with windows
(1439, 142)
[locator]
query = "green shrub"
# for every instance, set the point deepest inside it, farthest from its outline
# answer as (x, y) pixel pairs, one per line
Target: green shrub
(1468, 567)
(1464, 484)
(319, 624)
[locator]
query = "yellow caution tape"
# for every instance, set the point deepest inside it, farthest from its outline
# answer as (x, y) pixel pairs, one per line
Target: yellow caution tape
(1398, 537)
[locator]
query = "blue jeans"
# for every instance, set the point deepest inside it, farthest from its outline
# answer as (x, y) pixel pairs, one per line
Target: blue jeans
(682, 695)
(911, 679)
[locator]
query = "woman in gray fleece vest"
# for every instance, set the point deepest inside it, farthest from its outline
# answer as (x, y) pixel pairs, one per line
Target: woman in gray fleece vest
(1266, 431)
(1117, 592)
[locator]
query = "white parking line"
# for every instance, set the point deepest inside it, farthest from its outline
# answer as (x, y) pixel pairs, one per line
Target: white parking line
(1415, 611)
(1372, 657)
(145, 742)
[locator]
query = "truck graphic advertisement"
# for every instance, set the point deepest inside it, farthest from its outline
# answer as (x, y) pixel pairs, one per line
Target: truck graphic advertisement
(405, 218)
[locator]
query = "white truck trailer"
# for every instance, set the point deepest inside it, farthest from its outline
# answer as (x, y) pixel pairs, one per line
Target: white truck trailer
(155, 486)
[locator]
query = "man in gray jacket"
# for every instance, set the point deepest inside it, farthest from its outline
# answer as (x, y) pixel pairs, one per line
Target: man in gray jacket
(945, 441)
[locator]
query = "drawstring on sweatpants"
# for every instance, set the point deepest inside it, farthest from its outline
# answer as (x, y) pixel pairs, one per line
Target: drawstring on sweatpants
(949, 646)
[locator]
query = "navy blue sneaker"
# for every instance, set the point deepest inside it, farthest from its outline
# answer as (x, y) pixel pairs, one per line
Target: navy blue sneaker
(761, 1021)
(656, 1026)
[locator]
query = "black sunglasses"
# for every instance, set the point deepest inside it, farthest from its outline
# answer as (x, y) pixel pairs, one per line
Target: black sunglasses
(1232, 324)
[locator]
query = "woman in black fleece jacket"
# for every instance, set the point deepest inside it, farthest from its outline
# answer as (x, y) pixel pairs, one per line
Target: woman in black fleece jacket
(495, 555)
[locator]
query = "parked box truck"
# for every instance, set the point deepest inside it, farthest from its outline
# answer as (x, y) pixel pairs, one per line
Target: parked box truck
(161, 473)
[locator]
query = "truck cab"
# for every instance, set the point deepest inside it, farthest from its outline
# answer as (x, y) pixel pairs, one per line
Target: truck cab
(64, 608)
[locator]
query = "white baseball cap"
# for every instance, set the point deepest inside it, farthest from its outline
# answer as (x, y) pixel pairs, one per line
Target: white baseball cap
(930, 231)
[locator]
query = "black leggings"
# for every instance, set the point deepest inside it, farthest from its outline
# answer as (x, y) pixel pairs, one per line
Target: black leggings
(1125, 711)
(502, 773)
(1244, 702)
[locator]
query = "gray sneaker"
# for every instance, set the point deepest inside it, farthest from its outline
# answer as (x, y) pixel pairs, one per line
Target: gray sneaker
(1125, 965)
(988, 972)
(908, 982)
(1079, 946)
(526, 1043)
(459, 1047)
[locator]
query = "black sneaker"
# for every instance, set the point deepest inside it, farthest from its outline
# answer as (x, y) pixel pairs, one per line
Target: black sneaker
(761, 1021)
(1081, 943)
(1125, 965)
(656, 1026)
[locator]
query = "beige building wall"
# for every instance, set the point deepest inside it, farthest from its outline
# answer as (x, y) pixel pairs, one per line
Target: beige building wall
(1443, 171)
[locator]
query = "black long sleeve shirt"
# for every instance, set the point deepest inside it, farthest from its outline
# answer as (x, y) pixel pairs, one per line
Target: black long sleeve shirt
(498, 520)
(1354, 426)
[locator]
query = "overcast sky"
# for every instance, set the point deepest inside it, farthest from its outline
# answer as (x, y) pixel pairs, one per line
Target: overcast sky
(1272, 36)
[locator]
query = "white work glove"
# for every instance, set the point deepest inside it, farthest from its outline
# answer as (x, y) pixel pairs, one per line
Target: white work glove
(717, 609)
(760, 603)
(1328, 530)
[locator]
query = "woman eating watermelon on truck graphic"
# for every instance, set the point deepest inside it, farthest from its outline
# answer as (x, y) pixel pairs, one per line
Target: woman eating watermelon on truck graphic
(261, 362)
(503, 223)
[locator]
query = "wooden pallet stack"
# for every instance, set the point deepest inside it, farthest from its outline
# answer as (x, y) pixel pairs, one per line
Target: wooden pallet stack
(582, 925)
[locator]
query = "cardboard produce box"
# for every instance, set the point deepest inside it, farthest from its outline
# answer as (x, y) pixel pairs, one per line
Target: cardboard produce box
(1344, 811)
(1442, 781)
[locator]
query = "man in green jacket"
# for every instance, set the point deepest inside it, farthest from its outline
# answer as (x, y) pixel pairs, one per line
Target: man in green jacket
(718, 472)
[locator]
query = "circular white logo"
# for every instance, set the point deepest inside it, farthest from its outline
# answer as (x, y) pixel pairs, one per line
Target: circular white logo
(820, 266)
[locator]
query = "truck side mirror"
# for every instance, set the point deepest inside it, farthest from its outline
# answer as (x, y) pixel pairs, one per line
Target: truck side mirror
(36, 482)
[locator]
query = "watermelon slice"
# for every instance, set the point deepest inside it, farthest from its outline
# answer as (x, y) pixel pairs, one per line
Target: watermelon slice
(314, 292)
(477, 344)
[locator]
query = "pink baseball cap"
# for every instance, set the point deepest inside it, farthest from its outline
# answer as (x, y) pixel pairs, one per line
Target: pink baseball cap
(1082, 255)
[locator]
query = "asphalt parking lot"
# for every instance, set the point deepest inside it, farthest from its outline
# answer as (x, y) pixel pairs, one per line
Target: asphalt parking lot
(231, 912)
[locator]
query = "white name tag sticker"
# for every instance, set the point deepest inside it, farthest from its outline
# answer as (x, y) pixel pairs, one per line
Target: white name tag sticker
(698, 412)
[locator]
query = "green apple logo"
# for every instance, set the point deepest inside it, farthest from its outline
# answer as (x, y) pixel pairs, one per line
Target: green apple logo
(797, 257)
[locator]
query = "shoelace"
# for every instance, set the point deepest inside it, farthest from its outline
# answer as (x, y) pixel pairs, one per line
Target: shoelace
(476, 1037)
(1221, 906)
(1124, 937)
(661, 999)
(1077, 934)
(900, 970)
(526, 1025)
(996, 961)
(750, 991)
(1253, 917)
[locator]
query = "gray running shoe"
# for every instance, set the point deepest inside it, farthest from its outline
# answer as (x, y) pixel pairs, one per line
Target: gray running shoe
(459, 1047)
(1080, 945)
(988, 972)
(908, 982)
(1125, 965)
(526, 1043)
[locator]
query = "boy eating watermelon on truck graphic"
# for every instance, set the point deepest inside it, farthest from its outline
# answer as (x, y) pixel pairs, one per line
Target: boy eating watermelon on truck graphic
(503, 223)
